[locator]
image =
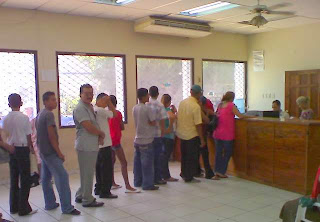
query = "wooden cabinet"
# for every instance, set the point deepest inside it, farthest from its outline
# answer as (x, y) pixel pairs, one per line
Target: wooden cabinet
(302, 83)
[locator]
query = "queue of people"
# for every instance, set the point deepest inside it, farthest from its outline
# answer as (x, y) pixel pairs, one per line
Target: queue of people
(98, 143)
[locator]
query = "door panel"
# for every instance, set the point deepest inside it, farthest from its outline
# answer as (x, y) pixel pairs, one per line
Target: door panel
(302, 83)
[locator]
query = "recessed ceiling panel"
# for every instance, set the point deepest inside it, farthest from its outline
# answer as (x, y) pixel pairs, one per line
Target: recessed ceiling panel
(25, 4)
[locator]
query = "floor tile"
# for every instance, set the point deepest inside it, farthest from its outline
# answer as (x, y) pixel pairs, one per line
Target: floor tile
(84, 218)
(129, 219)
(226, 211)
(203, 216)
(251, 217)
(182, 210)
(247, 205)
(156, 216)
(204, 204)
(270, 211)
(136, 209)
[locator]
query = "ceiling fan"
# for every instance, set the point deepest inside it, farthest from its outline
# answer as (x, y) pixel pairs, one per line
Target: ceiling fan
(259, 20)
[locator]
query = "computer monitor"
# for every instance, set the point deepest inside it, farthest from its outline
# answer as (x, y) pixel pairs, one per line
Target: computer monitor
(271, 114)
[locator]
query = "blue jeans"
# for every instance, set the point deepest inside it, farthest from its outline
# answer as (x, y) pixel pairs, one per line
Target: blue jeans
(53, 166)
(143, 168)
(158, 150)
(224, 149)
(168, 147)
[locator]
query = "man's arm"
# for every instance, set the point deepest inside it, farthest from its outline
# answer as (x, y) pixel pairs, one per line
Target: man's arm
(202, 140)
(6, 146)
(111, 107)
(91, 128)
(54, 141)
(30, 144)
(122, 125)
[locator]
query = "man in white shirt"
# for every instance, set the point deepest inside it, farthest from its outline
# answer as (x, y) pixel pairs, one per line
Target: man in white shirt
(17, 127)
(104, 165)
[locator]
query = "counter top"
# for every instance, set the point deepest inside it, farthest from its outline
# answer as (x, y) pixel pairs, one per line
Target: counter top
(283, 121)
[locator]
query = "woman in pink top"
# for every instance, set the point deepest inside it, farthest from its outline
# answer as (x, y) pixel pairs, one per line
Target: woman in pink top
(225, 133)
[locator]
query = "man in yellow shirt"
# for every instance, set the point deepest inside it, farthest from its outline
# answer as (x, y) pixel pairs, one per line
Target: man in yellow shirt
(189, 130)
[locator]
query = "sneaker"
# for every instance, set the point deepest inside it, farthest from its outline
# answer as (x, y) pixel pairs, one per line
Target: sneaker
(78, 200)
(94, 204)
(160, 182)
(152, 188)
(133, 191)
(108, 196)
(171, 179)
(74, 212)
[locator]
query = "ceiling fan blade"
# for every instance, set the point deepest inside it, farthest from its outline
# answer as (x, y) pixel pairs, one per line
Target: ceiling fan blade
(280, 13)
(245, 23)
(278, 19)
(281, 5)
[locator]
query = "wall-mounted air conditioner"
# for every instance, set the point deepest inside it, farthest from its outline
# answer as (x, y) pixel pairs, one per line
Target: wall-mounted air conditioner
(173, 27)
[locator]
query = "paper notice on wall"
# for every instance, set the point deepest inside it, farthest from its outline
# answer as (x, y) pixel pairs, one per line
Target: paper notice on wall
(258, 61)
(49, 75)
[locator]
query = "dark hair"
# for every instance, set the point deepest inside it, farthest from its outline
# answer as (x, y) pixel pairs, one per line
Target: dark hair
(100, 96)
(153, 91)
(46, 96)
(166, 98)
(142, 92)
(85, 86)
(277, 102)
(113, 99)
(14, 100)
(228, 97)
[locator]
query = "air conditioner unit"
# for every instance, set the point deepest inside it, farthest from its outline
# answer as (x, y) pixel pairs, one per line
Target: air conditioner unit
(173, 27)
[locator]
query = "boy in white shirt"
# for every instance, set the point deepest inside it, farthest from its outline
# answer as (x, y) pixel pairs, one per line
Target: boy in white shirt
(104, 165)
(18, 129)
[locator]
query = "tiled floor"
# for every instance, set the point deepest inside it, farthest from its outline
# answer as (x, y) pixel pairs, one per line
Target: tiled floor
(229, 200)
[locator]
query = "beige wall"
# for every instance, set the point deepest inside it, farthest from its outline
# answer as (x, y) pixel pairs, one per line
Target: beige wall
(285, 50)
(48, 33)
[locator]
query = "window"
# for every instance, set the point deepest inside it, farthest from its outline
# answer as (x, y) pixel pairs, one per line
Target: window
(171, 75)
(18, 74)
(220, 77)
(106, 73)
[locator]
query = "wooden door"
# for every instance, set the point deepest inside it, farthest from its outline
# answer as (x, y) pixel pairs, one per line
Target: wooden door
(302, 83)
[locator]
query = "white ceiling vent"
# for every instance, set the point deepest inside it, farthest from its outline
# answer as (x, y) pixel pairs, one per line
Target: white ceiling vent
(173, 27)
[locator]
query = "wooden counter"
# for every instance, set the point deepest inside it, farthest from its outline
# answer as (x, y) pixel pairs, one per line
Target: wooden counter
(284, 154)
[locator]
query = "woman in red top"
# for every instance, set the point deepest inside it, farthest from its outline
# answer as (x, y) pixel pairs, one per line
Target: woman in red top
(116, 126)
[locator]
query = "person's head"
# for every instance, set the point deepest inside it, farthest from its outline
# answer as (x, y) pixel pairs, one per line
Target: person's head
(154, 92)
(86, 93)
(303, 102)
(101, 100)
(228, 97)
(166, 100)
(276, 105)
(114, 101)
(49, 100)
(15, 101)
(196, 91)
(143, 95)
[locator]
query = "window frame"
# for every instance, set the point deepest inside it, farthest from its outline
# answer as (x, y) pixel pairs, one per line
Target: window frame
(163, 57)
(245, 74)
(123, 56)
(36, 73)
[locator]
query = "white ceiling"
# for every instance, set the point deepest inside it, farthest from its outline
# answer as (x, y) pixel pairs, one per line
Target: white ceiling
(307, 11)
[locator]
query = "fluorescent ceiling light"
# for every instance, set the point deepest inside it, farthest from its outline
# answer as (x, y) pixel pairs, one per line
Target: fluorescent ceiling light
(209, 9)
(114, 2)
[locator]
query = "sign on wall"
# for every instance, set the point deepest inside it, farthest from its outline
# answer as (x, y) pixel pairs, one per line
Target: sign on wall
(258, 61)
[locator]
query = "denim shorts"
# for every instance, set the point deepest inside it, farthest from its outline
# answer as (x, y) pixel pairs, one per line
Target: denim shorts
(116, 147)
